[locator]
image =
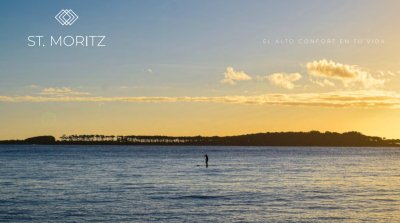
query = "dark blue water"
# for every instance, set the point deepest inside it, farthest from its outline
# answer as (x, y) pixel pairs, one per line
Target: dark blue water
(166, 184)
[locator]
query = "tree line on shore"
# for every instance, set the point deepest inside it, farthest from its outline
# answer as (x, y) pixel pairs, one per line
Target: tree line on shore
(312, 138)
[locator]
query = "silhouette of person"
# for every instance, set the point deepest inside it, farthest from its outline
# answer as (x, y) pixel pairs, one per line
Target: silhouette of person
(206, 159)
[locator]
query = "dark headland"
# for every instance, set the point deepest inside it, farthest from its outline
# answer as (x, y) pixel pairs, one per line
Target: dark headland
(313, 138)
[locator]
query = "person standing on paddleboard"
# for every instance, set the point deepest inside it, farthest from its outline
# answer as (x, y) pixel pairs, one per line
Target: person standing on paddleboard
(206, 159)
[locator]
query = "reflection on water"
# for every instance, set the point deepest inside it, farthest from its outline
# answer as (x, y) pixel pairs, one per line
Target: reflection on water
(172, 184)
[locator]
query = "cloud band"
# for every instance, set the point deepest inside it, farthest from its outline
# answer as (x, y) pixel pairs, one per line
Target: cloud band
(366, 99)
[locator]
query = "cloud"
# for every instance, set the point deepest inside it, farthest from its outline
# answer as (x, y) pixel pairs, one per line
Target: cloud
(347, 74)
(284, 80)
(330, 69)
(322, 83)
(61, 91)
(358, 99)
(231, 76)
(385, 73)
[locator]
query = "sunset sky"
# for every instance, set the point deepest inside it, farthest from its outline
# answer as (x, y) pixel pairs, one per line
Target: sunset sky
(202, 68)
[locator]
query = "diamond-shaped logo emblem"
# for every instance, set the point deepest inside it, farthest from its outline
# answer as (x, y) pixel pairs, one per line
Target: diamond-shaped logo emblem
(66, 17)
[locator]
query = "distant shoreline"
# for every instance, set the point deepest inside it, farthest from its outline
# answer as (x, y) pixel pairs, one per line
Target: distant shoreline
(183, 145)
(278, 139)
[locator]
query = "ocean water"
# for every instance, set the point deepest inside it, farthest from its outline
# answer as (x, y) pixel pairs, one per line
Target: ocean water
(171, 184)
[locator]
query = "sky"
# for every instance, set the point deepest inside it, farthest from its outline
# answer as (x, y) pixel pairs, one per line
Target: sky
(201, 68)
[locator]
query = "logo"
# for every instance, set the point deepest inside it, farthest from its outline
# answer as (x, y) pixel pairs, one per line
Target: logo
(66, 17)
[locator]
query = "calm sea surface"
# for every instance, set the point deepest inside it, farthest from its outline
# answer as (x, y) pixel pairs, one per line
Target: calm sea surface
(171, 184)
